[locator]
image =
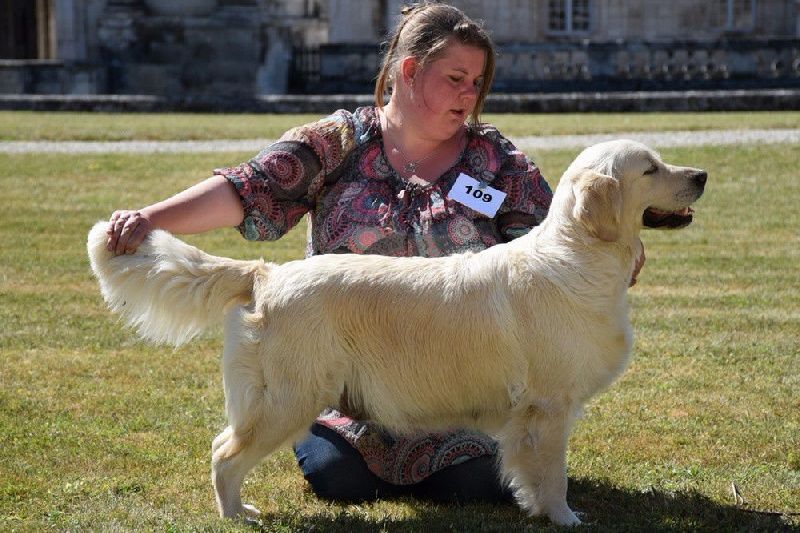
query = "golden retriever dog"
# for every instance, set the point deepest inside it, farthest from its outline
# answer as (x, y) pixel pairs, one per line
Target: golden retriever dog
(512, 340)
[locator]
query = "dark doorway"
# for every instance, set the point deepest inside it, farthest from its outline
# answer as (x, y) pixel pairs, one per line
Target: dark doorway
(26, 29)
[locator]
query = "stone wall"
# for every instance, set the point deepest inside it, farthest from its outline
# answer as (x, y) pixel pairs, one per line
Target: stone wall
(639, 101)
(558, 67)
(168, 47)
(650, 66)
(48, 77)
(526, 21)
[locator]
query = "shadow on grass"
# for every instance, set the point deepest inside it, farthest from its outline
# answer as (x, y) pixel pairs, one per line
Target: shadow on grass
(602, 507)
(615, 509)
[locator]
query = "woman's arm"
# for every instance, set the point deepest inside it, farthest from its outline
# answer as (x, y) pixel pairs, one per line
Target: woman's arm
(265, 196)
(210, 204)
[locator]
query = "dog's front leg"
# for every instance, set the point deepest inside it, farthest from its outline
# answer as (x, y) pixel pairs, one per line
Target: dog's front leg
(533, 446)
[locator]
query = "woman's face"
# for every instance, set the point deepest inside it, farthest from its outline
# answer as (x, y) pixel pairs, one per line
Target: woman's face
(445, 91)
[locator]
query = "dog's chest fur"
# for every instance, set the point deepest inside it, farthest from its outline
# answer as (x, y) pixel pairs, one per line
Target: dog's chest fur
(575, 301)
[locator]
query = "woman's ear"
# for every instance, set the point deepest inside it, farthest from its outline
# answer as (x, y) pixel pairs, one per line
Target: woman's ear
(409, 67)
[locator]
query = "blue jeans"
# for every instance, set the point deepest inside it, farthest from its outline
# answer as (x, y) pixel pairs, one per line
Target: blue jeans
(336, 471)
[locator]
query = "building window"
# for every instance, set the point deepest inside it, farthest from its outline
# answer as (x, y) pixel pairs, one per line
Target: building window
(735, 15)
(569, 16)
(311, 9)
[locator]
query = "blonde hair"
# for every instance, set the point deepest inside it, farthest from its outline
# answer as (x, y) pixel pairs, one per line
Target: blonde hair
(424, 32)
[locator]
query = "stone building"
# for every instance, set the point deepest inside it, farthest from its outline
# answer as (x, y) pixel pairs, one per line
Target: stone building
(240, 48)
(596, 44)
(536, 21)
(163, 47)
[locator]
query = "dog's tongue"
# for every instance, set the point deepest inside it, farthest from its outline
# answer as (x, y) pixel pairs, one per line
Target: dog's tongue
(684, 212)
(657, 218)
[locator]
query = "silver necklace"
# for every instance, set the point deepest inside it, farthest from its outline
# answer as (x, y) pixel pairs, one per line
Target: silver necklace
(410, 167)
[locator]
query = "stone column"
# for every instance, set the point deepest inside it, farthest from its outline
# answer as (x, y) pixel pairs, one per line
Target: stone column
(71, 30)
(273, 73)
(117, 36)
(351, 21)
(79, 75)
(797, 18)
(117, 25)
(229, 44)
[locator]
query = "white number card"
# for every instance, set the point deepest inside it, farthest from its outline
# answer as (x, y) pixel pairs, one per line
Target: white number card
(476, 195)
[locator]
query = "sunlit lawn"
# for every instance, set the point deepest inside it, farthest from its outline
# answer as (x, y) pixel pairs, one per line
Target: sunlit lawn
(22, 125)
(101, 431)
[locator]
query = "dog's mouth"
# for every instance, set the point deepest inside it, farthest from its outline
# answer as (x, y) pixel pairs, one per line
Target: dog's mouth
(656, 218)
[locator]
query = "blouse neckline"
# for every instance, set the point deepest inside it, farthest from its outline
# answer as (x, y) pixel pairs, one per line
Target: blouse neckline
(397, 179)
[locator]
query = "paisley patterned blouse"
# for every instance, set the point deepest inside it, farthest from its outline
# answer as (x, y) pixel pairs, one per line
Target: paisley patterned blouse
(336, 170)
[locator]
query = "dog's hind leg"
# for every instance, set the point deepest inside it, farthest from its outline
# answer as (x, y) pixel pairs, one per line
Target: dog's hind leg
(220, 439)
(234, 457)
(533, 446)
(237, 450)
(268, 404)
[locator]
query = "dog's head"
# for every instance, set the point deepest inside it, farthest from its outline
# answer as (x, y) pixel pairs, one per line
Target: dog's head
(623, 185)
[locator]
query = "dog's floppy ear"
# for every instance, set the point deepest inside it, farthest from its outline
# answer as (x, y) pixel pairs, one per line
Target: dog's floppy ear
(598, 204)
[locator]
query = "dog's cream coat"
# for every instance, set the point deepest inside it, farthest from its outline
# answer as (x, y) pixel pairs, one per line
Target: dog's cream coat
(512, 340)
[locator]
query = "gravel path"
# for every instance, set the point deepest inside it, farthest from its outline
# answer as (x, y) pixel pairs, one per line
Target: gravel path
(659, 139)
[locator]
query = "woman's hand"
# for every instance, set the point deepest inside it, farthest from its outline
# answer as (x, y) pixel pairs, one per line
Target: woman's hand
(126, 231)
(637, 266)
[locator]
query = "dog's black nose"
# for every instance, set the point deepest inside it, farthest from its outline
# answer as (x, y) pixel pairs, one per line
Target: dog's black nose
(700, 178)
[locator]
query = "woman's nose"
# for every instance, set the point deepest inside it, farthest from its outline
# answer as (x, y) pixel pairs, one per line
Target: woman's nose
(470, 92)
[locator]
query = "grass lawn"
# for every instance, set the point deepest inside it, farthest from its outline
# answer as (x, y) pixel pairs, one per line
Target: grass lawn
(101, 431)
(24, 125)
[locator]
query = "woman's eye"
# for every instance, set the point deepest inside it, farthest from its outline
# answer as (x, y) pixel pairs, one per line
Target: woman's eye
(651, 170)
(455, 79)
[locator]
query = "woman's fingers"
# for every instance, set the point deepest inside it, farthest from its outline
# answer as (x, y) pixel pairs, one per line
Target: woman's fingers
(115, 224)
(126, 227)
(126, 231)
(137, 235)
(111, 221)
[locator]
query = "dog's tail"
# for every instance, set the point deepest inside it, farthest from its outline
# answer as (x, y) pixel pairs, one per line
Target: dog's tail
(170, 291)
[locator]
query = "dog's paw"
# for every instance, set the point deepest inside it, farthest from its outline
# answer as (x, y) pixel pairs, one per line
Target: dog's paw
(563, 516)
(249, 511)
(250, 515)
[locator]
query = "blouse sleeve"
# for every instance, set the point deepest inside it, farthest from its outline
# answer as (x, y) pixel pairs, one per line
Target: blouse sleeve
(529, 195)
(280, 184)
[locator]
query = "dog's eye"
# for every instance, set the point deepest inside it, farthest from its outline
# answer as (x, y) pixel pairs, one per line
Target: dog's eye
(651, 170)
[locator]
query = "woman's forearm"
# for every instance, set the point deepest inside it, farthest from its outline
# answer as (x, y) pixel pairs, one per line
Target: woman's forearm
(213, 203)
(210, 204)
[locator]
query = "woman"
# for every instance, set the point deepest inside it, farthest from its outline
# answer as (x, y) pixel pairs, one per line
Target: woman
(377, 181)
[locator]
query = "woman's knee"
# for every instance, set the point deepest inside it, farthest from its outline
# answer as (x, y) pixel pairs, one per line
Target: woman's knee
(335, 470)
(475, 480)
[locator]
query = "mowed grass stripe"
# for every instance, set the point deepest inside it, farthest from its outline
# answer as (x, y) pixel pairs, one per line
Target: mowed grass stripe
(30, 126)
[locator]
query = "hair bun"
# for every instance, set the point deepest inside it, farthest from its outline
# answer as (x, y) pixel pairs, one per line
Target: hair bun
(409, 9)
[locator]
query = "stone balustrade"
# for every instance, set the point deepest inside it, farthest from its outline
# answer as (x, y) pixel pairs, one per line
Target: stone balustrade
(585, 66)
